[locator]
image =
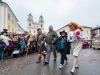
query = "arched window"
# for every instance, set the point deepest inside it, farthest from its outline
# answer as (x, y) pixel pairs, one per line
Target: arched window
(8, 16)
(30, 31)
(29, 24)
(8, 27)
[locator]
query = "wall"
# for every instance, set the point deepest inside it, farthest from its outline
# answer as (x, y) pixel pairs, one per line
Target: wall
(34, 26)
(87, 31)
(12, 22)
(1, 17)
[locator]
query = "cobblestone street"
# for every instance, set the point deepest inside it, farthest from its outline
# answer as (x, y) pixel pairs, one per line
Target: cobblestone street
(89, 65)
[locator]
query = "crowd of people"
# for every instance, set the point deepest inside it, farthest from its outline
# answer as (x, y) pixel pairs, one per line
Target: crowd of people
(86, 44)
(70, 43)
(14, 45)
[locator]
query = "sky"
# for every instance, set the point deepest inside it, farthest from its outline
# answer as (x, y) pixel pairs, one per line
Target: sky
(57, 13)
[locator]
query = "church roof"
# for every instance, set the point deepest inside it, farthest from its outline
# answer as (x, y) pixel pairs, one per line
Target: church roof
(30, 14)
(41, 16)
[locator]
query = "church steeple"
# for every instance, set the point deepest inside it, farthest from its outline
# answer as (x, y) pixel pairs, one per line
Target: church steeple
(41, 19)
(30, 15)
(30, 18)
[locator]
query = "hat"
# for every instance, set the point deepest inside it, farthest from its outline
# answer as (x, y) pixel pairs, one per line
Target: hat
(38, 29)
(63, 32)
(1, 38)
(5, 30)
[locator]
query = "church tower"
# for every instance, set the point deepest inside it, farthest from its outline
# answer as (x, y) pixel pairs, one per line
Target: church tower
(33, 26)
(30, 21)
(41, 21)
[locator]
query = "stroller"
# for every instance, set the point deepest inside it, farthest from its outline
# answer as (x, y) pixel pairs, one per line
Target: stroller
(16, 51)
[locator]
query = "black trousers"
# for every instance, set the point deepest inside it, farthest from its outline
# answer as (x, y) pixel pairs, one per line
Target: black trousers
(63, 57)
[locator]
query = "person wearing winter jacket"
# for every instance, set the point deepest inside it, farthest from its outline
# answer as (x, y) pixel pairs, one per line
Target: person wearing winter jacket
(23, 45)
(63, 46)
(2, 47)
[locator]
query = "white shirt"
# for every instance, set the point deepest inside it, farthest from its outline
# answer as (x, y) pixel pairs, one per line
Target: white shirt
(72, 36)
(5, 39)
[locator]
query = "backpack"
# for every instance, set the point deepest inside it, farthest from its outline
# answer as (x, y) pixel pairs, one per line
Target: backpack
(61, 44)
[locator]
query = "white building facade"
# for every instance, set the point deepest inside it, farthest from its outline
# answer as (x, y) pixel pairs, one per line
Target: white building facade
(33, 26)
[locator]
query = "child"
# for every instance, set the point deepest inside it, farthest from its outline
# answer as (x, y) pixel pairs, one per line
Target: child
(23, 46)
(11, 45)
(63, 47)
(2, 46)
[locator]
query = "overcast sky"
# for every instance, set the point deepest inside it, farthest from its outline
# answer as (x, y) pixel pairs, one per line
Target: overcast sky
(57, 13)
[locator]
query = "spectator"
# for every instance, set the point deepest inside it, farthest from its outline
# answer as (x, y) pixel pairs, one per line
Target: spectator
(11, 44)
(31, 44)
(23, 46)
(2, 46)
(3, 35)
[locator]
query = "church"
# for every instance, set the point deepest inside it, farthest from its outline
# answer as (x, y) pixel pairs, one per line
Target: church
(33, 26)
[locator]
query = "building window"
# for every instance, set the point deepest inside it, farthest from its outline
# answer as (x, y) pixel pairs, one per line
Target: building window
(8, 27)
(30, 31)
(12, 20)
(41, 25)
(15, 22)
(87, 31)
(34, 31)
(29, 24)
(12, 29)
(8, 16)
(18, 28)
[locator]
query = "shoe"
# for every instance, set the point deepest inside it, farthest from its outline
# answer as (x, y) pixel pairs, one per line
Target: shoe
(66, 61)
(77, 67)
(38, 61)
(72, 72)
(46, 63)
(54, 60)
(60, 66)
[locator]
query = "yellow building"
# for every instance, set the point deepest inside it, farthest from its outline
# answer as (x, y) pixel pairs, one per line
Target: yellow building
(86, 30)
(8, 20)
(20, 30)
